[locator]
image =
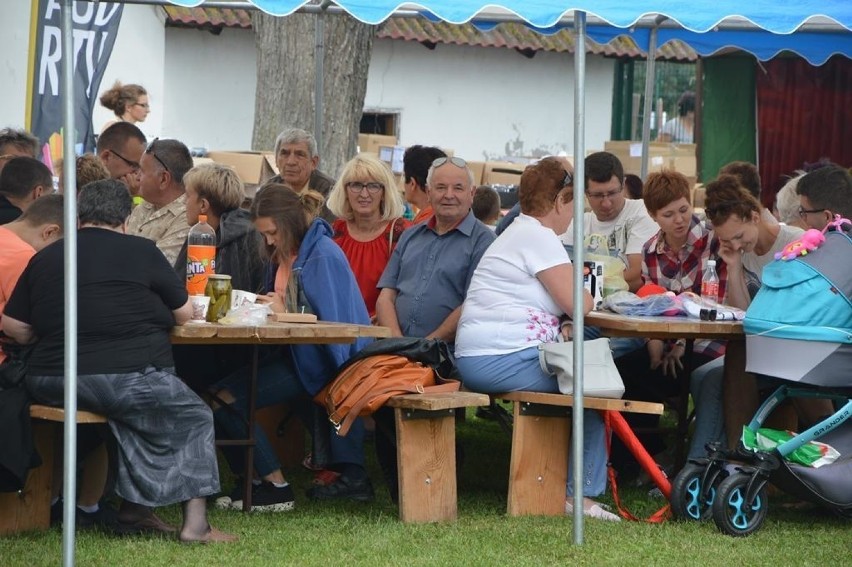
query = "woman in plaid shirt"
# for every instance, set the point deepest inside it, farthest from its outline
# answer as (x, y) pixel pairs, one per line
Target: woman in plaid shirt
(675, 259)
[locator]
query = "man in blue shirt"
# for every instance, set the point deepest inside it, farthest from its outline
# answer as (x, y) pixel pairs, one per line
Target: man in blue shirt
(426, 279)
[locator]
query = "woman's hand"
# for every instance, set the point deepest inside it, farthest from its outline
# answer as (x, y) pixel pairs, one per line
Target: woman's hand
(274, 301)
(567, 330)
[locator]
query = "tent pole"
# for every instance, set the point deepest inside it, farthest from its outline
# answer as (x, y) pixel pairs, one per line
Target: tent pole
(319, 70)
(69, 486)
(649, 95)
(579, 190)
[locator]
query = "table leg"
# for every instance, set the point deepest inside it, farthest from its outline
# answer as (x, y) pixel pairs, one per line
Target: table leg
(250, 440)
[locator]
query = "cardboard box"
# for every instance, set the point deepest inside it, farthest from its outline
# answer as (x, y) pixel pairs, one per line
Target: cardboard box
(502, 173)
(593, 276)
(372, 142)
(478, 169)
(253, 167)
(662, 155)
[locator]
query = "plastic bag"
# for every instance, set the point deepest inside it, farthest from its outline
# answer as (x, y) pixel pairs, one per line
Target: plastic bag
(249, 314)
(811, 454)
(627, 303)
(598, 251)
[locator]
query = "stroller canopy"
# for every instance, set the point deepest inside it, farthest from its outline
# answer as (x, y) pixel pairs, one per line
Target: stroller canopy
(807, 298)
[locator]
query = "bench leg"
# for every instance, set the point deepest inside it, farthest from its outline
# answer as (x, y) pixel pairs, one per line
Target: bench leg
(426, 452)
(30, 509)
(538, 469)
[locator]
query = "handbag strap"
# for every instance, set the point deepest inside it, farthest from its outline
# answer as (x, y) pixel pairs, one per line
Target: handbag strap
(612, 418)
(390, 237)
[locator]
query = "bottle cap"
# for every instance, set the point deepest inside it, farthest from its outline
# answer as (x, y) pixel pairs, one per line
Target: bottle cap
(202, 218)
(711, 263)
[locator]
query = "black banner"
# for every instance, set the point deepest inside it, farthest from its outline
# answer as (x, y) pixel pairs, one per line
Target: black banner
(95, 26)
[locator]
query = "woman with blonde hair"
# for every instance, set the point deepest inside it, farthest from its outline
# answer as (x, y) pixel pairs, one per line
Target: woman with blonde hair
(313, 276)
(369, 209)
(129, 103)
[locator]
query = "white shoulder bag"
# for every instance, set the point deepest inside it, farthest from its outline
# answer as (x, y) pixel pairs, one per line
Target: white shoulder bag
(600, 375)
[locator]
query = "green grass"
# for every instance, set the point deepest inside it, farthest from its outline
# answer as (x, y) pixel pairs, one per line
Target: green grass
(343, 534)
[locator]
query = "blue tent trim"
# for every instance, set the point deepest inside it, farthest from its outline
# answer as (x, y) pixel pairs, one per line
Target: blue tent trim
(771, 15)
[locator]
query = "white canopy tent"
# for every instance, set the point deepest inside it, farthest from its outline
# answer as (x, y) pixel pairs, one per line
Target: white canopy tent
(782, 18)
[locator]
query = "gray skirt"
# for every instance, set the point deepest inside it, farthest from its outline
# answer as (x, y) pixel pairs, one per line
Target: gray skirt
(163, 432)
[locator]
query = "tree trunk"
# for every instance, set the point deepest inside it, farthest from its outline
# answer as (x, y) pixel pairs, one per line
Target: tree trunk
(286, 77)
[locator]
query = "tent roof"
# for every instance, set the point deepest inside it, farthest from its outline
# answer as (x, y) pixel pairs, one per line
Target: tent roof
(512, 35)
(771, 15)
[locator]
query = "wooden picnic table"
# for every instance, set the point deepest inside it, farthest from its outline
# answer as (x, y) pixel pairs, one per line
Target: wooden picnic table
(661, 327)
(270, 333)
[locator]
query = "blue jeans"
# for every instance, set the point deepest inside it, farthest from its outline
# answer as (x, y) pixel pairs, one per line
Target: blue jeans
(705, 385)
(277, 383)
(521, 371)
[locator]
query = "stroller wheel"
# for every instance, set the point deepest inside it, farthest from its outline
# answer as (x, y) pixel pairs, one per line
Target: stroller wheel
(732, 512)
(690, 499)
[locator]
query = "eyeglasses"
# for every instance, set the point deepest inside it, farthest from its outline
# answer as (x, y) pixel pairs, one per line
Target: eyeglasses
(569, 179)
(456, 161)
(372, 188)
(601, 196)
(805, 212)
(142, 104)
(150, 150)
(132, 164)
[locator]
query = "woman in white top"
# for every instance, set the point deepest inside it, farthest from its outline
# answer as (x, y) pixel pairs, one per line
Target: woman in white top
(520, 289)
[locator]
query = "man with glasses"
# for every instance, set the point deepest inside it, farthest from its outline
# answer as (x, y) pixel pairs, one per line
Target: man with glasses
(824, 193)
(120, 148)
(624, 223)
(16, 143)
(162, 217)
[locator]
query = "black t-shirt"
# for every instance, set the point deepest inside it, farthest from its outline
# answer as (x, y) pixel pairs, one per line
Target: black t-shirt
(126, 292)
(8, 211)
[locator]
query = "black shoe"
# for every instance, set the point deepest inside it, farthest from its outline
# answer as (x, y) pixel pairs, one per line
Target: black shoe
(344, 488)
(56, 513)
(265, 497)
(104, 519)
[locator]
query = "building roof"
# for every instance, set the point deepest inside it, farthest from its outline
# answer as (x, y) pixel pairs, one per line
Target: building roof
(509, 35)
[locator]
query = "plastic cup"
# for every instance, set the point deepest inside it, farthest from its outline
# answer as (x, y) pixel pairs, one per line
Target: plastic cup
(240, 298)
(199, 303)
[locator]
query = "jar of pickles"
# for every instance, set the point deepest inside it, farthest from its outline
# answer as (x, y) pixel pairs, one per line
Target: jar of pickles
(219, 290)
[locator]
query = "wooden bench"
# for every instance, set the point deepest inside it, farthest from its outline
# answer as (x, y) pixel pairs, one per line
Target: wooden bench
(538, 470)
(426, 453)
(29, 509)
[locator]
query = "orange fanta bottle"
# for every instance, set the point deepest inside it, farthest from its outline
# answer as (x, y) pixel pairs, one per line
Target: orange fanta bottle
(200, 256)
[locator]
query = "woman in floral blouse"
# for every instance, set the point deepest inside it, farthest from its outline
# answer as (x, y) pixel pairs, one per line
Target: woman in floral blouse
(520, 289)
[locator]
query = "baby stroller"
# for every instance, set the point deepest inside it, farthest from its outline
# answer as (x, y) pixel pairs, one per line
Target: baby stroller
(799, 330)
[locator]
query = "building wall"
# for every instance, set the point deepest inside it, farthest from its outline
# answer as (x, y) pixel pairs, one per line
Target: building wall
(484, 103)
(210, 98)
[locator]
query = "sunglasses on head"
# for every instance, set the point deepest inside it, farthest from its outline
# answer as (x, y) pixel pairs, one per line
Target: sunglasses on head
(569, 179)
(456, 161)
(150, 150)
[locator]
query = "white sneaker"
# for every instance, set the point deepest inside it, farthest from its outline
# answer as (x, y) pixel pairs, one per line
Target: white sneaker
(592, 509)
